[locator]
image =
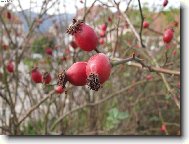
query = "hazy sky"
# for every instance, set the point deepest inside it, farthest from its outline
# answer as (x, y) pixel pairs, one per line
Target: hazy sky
(70, 4)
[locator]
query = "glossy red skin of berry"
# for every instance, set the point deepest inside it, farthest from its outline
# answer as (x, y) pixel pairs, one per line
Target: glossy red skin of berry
(9, 15)
(5, 47)
(163, 128)
(110, 19)
(149, 77)
(47, 78)
(103, 27)
(76, 74)
(73, 44)
(86, 38)
(36, 76)
(99, 64)
(49, 51)
(59, 89)
(102, 33)
(10, 67)
(168, 35)
(165, 2)
(101, 41)
(145, 24)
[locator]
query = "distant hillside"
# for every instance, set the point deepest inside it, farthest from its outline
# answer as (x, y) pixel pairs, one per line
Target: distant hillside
(48, 19)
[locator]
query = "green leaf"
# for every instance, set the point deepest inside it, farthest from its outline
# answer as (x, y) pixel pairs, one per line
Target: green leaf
(123, 115)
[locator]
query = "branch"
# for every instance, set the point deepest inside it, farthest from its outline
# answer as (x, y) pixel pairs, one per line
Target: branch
(140, 63)
(141, 26)
(35, 107)
(98, 102)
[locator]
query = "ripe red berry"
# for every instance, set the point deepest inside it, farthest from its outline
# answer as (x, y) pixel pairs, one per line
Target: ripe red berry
(84, 35)
(163, 128)
(165, 2)
(49, 51)
(168, 35)
(76, 74)
(36, 76)
(10, 67)
(64, 58)
(5, 47)
(101, 41)
(174, 52)
(98, 70)
(102, 33)
(104, 27)
(47, 78)
(59, 89)
(8, 15)
(178, 85)
(109, 19)
(73, 44)
(149, 77)
(145, 24)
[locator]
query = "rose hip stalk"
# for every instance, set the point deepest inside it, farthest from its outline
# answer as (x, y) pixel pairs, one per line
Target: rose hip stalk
(98, 70)
(76, 74)
(85, 36)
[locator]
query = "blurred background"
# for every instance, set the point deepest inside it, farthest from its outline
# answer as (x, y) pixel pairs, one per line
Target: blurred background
(134, 101)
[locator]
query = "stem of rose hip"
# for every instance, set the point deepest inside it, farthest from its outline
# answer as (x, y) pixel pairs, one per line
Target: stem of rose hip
(96, 50)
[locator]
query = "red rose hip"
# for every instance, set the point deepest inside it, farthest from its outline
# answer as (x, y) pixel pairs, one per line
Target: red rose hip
(85, 36)
(73, 44)
(76, 74)
(165, 2)
(10, 67)
(98, 71)
(36, 76)
(104, 27)
(168, 35)
(145, 24)
(49, 51)
(47, 78)
(59, 89)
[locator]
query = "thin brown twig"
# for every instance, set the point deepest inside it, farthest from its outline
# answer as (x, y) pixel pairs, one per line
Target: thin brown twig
(141, 26)
(140, 63)
(97, 103)
(35, 107)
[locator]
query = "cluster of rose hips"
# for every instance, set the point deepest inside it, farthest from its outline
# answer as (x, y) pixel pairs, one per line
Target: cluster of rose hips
(93, 73)
(168, 33)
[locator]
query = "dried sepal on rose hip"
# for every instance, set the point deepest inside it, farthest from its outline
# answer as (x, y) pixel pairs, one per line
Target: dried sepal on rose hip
(62, 79)
(98, 71)
(85, 36)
